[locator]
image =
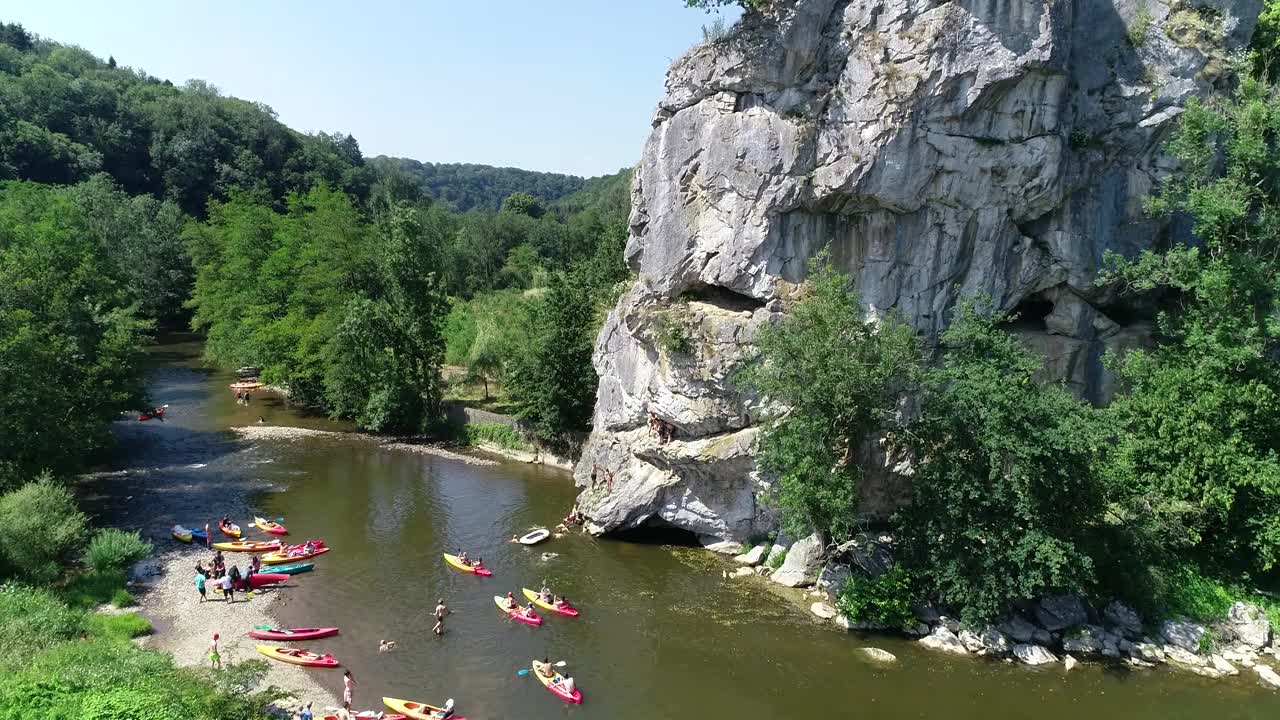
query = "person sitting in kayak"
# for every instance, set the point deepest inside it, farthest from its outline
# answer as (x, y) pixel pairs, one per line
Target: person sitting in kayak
(511, 602)
(561, 603)
(444, 712)
(567, 684)
(528, 611)
(479, 563)
(545, 669)
(545, 594)
(462, 557)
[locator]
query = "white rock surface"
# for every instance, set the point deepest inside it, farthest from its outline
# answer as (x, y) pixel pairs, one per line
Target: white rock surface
(823, 610)
(1182, 633)
(944, 640)
(1069, 663)
(1222, 666)
(742, 572)
(1033, 654)
(878, 655)
(939, 150)
(1267, 676)
(1250, 625)
(754, 556)
(804, 560)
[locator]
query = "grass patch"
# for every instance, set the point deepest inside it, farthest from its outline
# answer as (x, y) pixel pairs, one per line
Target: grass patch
(776, 560)
(503, 436)
(1137, 31)
(32, 619)
(671, 335)
(92, 589)
(125, 626)
(122, 599)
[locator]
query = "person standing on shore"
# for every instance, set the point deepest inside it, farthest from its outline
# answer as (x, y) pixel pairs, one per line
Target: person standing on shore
(208, 538)
(200, 578)
(441, 611)
(227, 590)
(348, 689)
(305, 712)
(215, 659)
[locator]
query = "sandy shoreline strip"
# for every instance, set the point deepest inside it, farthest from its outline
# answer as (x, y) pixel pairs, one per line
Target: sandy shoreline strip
(277, 432)
(187, 625)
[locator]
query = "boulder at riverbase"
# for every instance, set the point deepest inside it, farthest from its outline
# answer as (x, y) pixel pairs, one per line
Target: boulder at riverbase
(800, 568)
(1060, 612)
(944, 640)
(1182, 633)
(754, 556)
(1250, 625)
(878, 655)
(1033, 654)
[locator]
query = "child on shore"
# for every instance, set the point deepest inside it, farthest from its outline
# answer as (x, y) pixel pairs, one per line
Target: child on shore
(215, 659)
(200, 580)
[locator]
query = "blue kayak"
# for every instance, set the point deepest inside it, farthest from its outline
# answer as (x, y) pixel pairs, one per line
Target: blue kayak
(293, 569)
(198, 535)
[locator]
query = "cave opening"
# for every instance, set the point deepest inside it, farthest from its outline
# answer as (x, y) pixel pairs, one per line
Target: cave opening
(722, 297)
(656, 531)
(1030, 314)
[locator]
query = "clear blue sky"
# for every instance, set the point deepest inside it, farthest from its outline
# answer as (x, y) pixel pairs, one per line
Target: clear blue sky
(560, 85)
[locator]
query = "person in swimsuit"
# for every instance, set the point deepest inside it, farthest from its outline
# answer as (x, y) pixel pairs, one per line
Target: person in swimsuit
(348, 689)
(511, 602)
(528, 611)
(215, 659)
(441, 611)
(228, 592)
(462, 557)
(545, 669)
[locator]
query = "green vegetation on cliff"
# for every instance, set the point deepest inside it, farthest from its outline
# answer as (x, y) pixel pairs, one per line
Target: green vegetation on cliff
(1018, 489)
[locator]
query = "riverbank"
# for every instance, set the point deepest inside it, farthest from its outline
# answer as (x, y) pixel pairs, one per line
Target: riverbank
(184, 626)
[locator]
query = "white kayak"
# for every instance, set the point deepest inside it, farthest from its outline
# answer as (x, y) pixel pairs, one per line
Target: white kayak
(536, 536)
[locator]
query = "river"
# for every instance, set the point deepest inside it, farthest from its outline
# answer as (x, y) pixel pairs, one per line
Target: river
(661, 634)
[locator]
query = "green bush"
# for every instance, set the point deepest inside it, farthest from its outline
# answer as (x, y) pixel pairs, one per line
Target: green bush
(113, 549)
(885, 600)
(122, 598)
(497, 433)
(93, 589)
(776, 560)
(671, 334)
(41, 528)
(124, 626)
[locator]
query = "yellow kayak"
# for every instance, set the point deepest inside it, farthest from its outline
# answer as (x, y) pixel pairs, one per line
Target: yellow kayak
(247, 546)
(455, 562)
(182, 534)
(294, 656)
(265, 525)
(417, 710)
(562, 610)
(555, 683)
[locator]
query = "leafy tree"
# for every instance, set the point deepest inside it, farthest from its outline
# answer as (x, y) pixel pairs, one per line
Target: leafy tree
(1197, 453)
(486, 356)
(113, 549)
(1005, 500)
(522, 203)
(551, 382)
(42, 528)
(70, 337)
(835, 376)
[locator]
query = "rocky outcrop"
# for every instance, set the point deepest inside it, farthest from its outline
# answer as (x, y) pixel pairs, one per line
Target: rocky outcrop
(1249, 625)
(1060, 612)
(1183, 634)
(938, 150)
(944, 640)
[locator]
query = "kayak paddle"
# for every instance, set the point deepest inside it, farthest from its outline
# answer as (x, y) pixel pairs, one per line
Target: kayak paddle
(525, 671)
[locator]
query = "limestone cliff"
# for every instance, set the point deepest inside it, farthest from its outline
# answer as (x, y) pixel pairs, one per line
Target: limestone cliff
(939, 149)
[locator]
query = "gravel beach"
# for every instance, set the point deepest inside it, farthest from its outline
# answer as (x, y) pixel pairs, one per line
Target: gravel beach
(185, 625)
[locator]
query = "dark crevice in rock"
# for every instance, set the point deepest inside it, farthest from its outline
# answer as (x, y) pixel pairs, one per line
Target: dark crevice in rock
(1030, 314)
(722, 297)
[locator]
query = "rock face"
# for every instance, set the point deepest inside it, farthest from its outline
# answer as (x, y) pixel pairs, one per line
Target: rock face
(1183, 634)
(944, 640)
(938, 151)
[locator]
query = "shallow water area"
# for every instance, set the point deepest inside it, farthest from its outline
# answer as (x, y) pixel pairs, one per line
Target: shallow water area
(662, 634)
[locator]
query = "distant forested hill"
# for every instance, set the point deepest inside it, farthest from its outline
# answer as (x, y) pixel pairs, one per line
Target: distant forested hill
(465, 186)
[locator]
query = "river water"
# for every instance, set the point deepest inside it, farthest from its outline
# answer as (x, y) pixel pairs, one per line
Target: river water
(661, 635)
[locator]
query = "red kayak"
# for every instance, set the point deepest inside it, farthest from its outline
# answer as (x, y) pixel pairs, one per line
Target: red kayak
(258, 580)
(370, 714)
(153, 414)
(292, 633)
